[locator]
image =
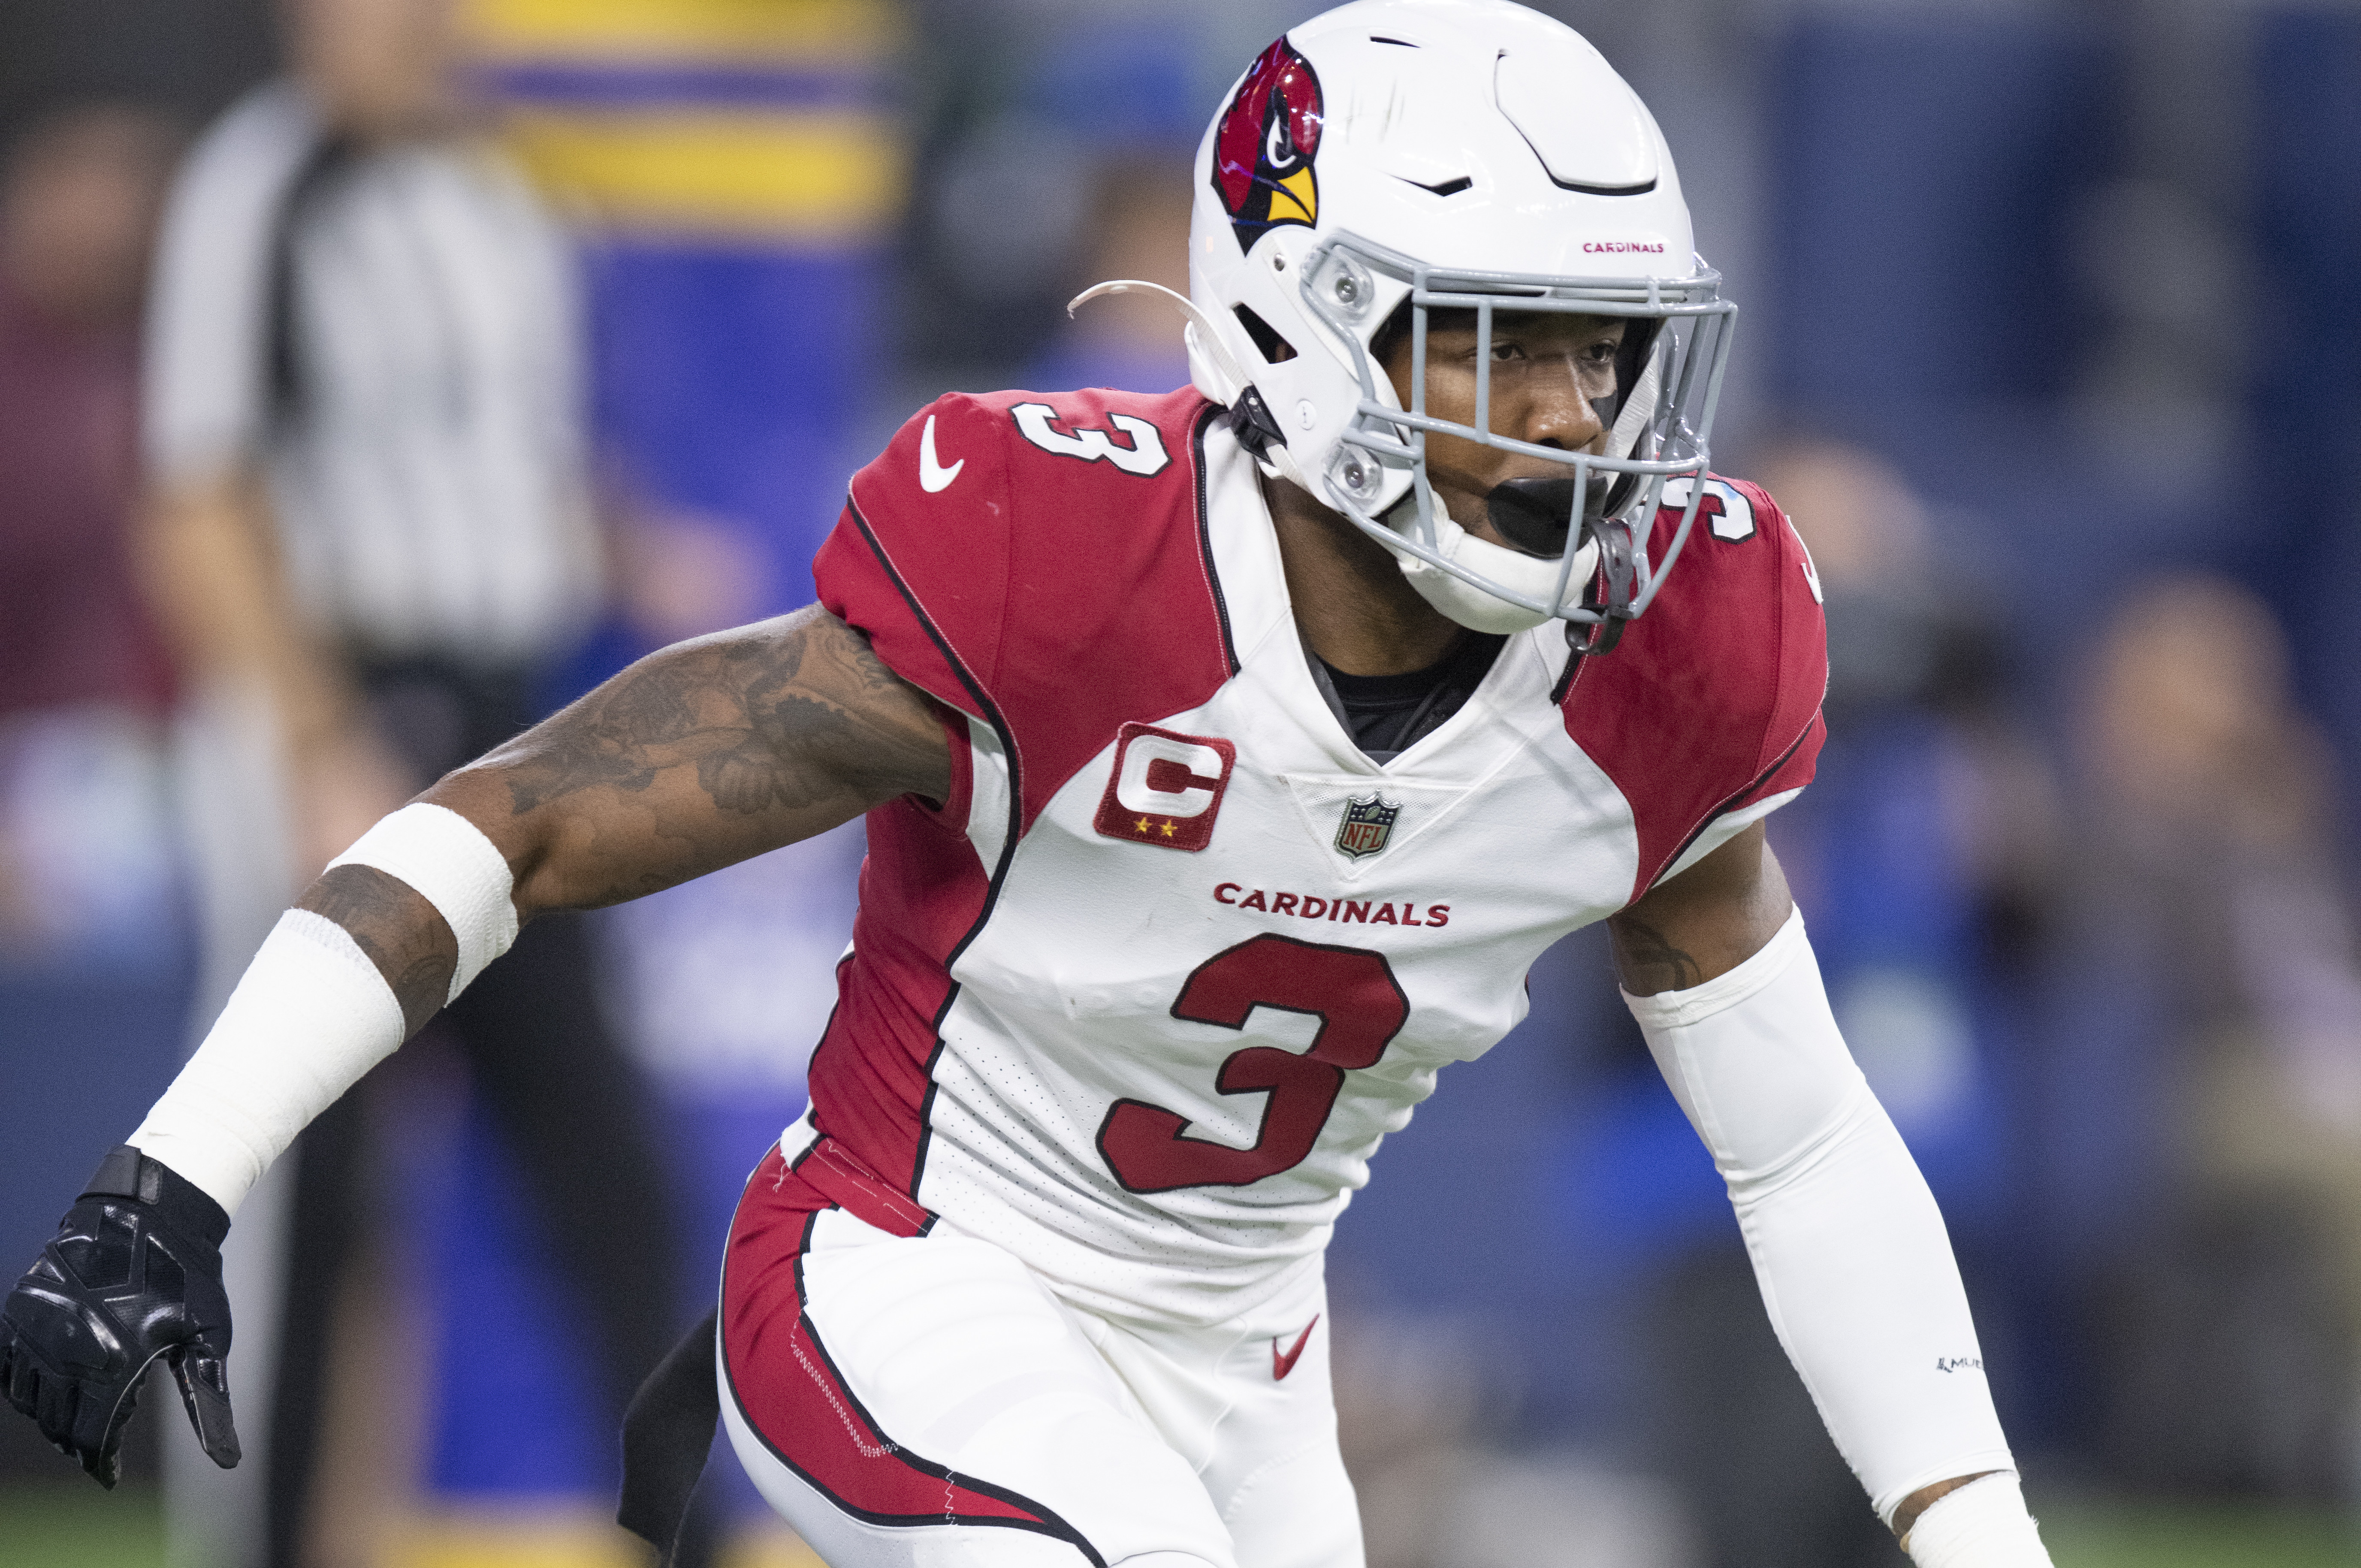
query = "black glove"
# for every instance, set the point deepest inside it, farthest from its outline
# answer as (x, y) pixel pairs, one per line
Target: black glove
(134, 1273)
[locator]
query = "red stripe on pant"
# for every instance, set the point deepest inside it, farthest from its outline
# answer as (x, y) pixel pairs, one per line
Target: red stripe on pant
(787, 1387)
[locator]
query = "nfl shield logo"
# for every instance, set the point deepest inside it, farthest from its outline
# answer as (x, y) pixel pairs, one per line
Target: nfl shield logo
(1367, 824)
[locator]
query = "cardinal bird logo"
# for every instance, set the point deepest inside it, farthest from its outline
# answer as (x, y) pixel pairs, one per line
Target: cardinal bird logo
(1263, 151)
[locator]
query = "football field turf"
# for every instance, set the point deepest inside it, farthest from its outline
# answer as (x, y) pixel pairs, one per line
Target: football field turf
(74, 1527)
(2122, 1535)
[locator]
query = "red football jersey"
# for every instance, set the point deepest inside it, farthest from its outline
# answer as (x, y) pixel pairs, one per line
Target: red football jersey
(1141, 999)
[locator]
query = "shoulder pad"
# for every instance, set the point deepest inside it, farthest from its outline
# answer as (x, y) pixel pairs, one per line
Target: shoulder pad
(1003, 542)
(1712, 699)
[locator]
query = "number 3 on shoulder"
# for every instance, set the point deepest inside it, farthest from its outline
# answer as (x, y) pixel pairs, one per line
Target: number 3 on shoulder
(1143, 454)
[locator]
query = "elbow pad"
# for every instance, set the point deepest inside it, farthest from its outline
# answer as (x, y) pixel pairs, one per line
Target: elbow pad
(1848, 1247)
(447, 859)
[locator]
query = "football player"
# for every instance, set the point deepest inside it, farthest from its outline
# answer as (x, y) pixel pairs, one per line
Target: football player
(1227, 758)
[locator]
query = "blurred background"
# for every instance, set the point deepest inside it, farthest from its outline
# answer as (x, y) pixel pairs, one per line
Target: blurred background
(375, 374)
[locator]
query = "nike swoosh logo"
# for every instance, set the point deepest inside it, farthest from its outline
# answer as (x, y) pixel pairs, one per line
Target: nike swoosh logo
(933, 476)
(1280, 1365)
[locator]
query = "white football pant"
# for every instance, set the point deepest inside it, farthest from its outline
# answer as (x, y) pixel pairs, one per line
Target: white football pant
(923, 1399)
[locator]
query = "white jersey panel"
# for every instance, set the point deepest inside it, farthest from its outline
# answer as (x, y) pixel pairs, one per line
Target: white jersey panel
(1506, 837)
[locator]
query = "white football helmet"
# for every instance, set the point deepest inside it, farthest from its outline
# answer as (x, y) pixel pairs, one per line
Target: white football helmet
(1465, 155)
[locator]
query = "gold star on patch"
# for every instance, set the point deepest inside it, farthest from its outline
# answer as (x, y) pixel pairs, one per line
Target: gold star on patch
(1168, 829)
(1140, 826)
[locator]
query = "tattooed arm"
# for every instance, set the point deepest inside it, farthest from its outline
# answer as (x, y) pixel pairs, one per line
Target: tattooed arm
(1705, 922)
(706, 753)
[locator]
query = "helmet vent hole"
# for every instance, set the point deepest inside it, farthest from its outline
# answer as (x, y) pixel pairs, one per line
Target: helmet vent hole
(1275, 349)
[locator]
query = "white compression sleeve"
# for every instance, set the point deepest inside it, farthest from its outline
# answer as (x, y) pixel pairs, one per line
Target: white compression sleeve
(309, 1017)
(312, 1014)
(450, 863)
(1981, 1525)
(1847, 1246)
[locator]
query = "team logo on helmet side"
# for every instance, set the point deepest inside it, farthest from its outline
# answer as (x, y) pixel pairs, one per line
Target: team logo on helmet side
(1264, 148)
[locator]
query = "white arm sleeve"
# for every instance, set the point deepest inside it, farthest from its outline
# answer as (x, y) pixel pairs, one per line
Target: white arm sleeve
(1848, 1247)
(309, 1016)
(312, 1014)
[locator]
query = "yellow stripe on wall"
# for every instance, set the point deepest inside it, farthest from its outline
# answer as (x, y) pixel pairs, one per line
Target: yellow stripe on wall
(558, 1535)
(804, 32)
(551, 1536)
(824, 176)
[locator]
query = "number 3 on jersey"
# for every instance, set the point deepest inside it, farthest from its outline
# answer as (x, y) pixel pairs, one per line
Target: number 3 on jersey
(1144, 453)
(1361, 1008)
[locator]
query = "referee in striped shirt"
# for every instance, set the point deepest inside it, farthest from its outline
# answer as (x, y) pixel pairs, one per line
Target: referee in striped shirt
(369, 535)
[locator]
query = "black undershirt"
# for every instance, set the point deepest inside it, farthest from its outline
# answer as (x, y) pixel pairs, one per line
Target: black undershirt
(1387, 715)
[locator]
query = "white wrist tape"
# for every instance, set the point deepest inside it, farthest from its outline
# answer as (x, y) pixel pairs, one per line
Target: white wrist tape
(309, 1016)
(1982, 1525)
(1847, 1246)
(450, 863)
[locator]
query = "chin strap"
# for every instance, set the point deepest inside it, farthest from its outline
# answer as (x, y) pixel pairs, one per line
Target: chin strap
(1618, 579)
(1250, 420)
